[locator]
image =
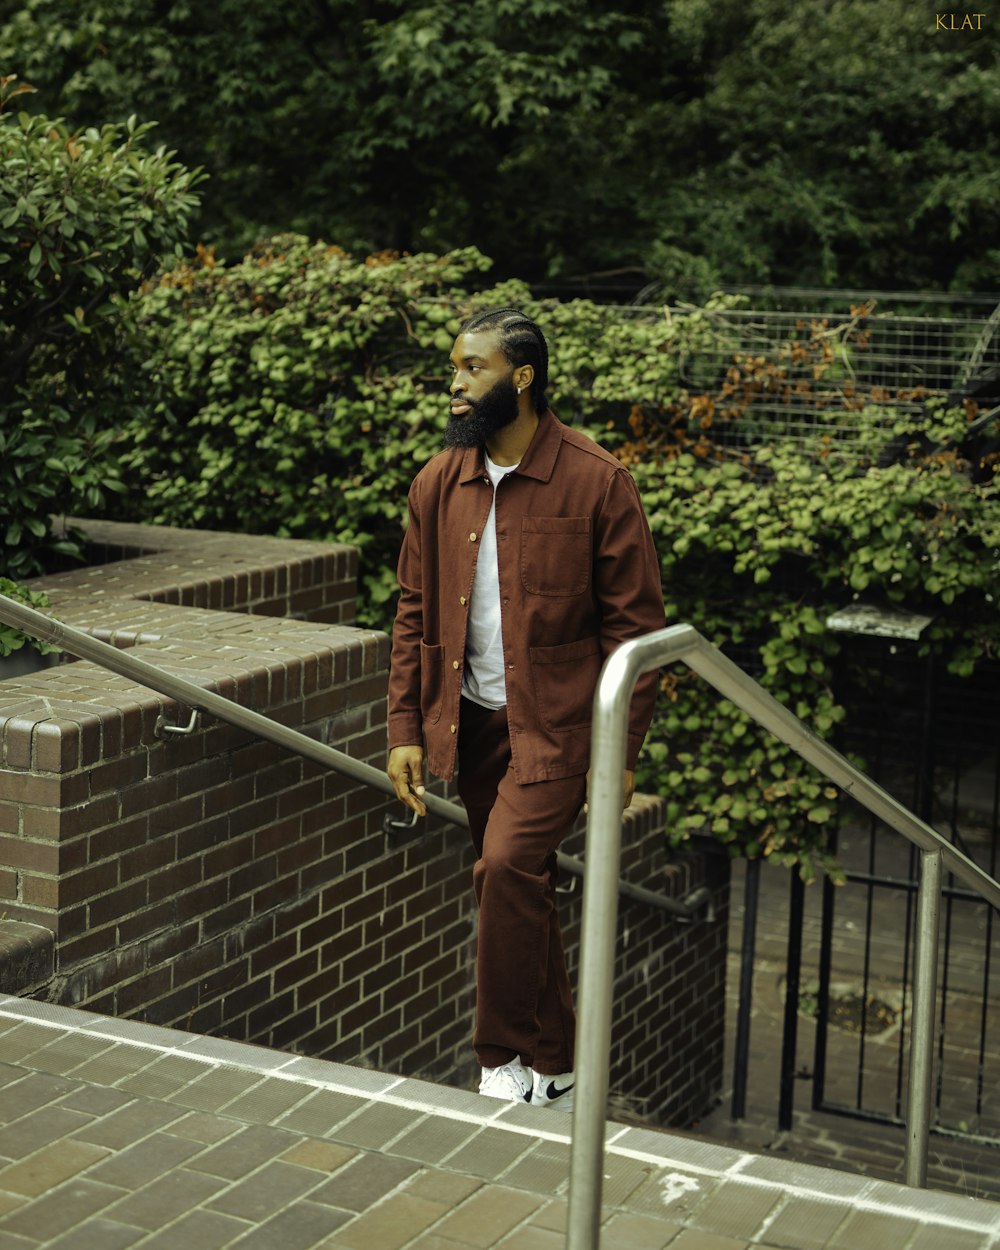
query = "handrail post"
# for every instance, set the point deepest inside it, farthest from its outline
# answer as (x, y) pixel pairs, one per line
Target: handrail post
(920, 1081)
(597, 953)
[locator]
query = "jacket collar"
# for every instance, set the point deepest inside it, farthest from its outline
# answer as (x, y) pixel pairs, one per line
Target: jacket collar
(537, 462)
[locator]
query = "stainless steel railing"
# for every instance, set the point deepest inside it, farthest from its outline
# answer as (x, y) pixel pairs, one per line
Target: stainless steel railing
(37, 625)
(611, 704)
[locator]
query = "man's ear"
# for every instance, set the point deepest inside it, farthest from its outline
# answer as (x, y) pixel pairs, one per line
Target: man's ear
(523, 377)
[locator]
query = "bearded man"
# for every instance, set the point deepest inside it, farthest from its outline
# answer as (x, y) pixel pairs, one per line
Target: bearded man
(526, 562)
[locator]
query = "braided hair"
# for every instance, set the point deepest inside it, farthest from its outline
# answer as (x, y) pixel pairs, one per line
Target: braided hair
(521, 342)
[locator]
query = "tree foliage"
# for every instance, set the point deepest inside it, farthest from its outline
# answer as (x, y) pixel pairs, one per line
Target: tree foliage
(83, 216)
(695, 141)
(299, 391)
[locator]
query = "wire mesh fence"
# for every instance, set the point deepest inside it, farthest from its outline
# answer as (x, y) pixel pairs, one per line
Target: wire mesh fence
(829, 371)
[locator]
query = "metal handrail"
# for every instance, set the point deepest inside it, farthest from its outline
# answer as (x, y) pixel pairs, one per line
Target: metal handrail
(611, 704)
(37, 625)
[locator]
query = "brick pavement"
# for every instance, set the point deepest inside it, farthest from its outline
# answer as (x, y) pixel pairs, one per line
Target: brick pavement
(116, 1135)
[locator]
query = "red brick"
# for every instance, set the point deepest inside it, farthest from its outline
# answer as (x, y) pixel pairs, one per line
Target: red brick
(288, 1032)
(173, 1010)
(17, 742)
(382, 976)
(245, 998)
(177, 880)
(226, 917)
(56, 746)
(136, 995)
(295, 855)
(177, 815)
(91, 814)
(118, 838)
(149, 794)
(200, 959)
(288, 975)
(10, 816)
(151, 920)
(222, 860)
(250, 937)
(16, 787)
(90, 945)
(118, 903)
(305, 795)
(8, 884)
(267, 957)
(117, 774)
(253, 875)
(208, 833)
(270, 1013)
(36, 856)
(253, 816)
(147, 859)
(37, 891)
(81, 887)
(364, 1013)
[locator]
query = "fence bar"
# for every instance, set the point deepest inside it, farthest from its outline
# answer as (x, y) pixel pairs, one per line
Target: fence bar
(744, 1013)
(920, 1085)
(790, 1029)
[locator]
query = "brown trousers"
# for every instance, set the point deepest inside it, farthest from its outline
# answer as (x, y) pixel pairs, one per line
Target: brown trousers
(524, 1005)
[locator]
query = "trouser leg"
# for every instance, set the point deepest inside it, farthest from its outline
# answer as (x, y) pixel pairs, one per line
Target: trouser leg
(524, 1004)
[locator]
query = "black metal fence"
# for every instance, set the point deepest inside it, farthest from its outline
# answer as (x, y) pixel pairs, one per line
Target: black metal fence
(933, 740)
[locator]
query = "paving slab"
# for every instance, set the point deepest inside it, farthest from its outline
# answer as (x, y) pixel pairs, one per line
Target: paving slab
(115, 1136)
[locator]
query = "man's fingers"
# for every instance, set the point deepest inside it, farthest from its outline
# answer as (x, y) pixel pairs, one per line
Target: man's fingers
(406, 772)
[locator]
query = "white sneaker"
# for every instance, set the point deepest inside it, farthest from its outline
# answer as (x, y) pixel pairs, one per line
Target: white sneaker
(511, 1082)
(553, 1091)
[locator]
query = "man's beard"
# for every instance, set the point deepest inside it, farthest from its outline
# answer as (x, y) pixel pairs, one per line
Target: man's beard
(486, 417)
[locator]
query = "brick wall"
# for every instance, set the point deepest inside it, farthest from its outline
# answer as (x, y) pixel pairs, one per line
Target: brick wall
(215, 883)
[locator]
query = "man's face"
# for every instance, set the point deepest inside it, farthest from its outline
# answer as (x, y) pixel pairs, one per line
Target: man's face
(483, 394)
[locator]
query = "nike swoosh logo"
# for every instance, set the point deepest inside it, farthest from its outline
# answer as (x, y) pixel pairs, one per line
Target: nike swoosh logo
(552, 1092)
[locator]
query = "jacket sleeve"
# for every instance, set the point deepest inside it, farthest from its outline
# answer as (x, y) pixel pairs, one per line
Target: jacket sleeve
(405, 720)
(628, 590)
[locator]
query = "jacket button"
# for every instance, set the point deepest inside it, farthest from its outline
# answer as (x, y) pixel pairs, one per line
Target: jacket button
(453, 729)
(454, 663)
(462, 600)
(472, 537)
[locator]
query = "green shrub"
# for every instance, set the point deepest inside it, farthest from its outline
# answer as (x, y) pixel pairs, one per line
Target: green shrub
(12, 639)
(82, 218)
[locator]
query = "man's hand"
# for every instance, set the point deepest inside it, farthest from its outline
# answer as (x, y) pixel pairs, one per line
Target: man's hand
(629, 789)
(406, 772)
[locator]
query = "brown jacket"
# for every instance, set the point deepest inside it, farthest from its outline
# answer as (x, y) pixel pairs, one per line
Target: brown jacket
(578, 576)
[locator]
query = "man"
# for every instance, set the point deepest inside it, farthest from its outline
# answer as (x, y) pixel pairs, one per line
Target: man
(526, 562)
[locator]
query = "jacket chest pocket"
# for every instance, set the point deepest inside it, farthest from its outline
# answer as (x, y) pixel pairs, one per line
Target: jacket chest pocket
(555, 555)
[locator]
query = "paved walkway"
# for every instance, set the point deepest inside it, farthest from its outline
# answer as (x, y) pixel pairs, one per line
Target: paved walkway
(116, 1134)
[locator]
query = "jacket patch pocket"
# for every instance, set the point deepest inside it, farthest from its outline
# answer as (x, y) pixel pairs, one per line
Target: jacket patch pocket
(431, 682)
(565, 679)
(555, 555)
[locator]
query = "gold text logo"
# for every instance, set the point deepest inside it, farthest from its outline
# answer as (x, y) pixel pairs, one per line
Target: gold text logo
(958, 21)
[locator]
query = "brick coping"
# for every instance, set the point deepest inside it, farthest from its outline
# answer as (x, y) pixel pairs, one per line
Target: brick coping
(681, 1180)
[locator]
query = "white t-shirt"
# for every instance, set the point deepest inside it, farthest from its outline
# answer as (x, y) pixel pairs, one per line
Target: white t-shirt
(483, 679)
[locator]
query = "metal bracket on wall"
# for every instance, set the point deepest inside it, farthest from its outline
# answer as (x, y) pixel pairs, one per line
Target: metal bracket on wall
(162, 728)
(394, 827)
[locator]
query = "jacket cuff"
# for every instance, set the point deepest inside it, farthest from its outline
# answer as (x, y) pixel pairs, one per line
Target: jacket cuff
(405, 730)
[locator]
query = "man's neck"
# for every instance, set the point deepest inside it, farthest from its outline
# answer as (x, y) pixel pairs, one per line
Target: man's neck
(508, 445)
